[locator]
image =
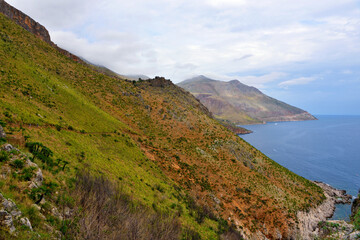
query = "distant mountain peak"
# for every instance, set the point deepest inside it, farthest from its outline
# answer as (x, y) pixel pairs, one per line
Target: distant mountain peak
(240, 103)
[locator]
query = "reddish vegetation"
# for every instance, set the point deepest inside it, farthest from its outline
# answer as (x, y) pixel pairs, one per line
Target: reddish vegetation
(221, 171)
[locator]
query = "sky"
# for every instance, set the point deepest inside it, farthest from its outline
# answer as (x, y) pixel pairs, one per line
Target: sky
(306, 53)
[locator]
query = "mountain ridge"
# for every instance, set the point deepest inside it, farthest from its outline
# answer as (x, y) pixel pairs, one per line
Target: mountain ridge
(241, 104)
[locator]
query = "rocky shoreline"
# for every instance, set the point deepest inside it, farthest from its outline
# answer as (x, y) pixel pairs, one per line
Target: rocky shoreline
(309, 220)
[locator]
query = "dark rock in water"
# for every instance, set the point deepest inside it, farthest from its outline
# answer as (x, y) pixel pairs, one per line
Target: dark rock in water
(355, 206)
(2, 132)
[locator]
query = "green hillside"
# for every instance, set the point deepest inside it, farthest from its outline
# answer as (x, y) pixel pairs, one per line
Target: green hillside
(155, 149)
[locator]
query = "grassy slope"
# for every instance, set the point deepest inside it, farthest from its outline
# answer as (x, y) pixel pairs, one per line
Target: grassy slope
(144, 135)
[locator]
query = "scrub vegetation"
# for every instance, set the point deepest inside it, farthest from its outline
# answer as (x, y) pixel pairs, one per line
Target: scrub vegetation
(144, 158)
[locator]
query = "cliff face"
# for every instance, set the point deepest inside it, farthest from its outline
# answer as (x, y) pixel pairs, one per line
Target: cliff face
(32, 26)
(25, 21)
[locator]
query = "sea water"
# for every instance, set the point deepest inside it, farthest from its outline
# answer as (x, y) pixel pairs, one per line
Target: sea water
(327, 150)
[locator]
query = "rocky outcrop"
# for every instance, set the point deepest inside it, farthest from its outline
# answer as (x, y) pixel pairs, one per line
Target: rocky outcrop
(25, 21)
(32, 26)
(337, 229)
(159, 82)
(338, 196)
(2, 132)
(7, 147)
(6, 221)
(9, 213)
(308, 220)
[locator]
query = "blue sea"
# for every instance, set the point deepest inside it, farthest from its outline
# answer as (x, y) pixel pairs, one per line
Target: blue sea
(326, 150)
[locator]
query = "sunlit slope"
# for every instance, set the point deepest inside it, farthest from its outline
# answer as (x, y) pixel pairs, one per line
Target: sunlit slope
(152, 137)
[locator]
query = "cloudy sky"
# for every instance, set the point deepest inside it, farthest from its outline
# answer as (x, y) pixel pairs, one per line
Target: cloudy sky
(306, 53)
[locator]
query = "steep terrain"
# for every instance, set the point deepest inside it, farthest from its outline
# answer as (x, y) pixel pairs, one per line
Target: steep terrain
(240, 103)
(150, 140)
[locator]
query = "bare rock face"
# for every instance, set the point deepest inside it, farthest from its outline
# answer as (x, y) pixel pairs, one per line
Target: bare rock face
(339, 196)
(32, 26)
(9, 213)
(6, 221)
(25, 221)
(335, 229)
(2, 132)
(7, 147)
(25, 21)
(38, 177)
(309, 220)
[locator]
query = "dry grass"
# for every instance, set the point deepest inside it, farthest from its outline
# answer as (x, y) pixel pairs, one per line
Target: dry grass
(104, 212)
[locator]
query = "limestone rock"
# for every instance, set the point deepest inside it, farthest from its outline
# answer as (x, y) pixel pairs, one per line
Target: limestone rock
(25, 221)
(339, 196)
(10, 207)
(354, 235)
(308, 220)
(6, 221)
(55, 212)
(2, 132)
(29, 163)
(33, 185)
(38, 177)
(7, 147)
(68, 212)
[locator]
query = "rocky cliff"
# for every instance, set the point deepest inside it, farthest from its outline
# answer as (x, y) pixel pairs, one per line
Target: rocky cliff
(25, 21)
(32, 26)
(309, 220)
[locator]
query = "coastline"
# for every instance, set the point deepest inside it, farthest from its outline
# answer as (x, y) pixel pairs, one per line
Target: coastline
(309, 220)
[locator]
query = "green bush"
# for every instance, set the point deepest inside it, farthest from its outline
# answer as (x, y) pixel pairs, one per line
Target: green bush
(4, 156)
(19, 164)
(190, 234)
(27, 174)
(357, 220)
(2, 123)
(58, 127)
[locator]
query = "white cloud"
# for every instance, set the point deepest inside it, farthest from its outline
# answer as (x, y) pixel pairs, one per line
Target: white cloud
(178, 39)
(297, 81)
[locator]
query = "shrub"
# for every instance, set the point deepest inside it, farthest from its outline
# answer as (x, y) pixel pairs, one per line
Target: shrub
(27, 174)
(58, 127)
(357, 220)
(116, 215)
(2, 123)
(190, 234)
(4, 156)
(19, 164)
